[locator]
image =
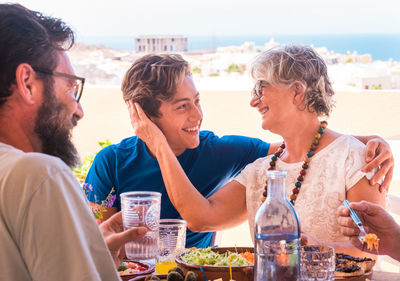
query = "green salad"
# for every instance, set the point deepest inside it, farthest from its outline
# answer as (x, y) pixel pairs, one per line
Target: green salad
(205, 256)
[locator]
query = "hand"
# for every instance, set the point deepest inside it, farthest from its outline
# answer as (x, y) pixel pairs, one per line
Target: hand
(115, 236)
(378, 154)
(376, 220)
(144, 128)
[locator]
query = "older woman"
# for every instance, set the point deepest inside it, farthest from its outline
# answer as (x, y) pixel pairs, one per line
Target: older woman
(292, 91)
(323, 167)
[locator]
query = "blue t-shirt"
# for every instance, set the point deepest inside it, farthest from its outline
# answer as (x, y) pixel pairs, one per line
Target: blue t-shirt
(128, 166)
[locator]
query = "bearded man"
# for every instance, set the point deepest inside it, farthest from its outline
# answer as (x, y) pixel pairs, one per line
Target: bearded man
(47, 230)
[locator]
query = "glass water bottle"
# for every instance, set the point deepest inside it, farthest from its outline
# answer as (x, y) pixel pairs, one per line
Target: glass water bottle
(277, 234)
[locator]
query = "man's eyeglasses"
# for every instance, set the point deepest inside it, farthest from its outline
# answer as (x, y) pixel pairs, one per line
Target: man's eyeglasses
(257, 90)
(78, 85)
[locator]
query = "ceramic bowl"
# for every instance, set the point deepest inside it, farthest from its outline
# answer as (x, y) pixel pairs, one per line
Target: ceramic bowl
(239, 273)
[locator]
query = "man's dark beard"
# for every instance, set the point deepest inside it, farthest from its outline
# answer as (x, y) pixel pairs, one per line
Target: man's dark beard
(54, 129)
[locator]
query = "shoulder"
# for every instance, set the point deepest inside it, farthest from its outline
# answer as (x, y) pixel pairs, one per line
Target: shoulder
(33, 171)
(126, 145)
(350, 141)
(40, 163)
(345, 144)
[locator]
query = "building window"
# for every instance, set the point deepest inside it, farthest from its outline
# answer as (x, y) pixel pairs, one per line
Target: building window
(165, 48)
(172, 39)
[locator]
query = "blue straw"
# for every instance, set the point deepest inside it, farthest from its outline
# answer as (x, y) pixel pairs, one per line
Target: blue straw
(202, 271)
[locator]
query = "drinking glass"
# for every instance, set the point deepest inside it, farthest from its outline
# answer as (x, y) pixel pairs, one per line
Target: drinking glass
(141, 208)
(172, 242)
(317, 263)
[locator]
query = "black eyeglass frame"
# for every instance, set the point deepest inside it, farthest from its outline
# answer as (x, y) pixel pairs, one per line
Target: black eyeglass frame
(78, 93)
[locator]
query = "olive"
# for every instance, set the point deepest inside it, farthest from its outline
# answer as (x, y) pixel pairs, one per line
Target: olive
(177, 269)
(190, 276)
(174, 276)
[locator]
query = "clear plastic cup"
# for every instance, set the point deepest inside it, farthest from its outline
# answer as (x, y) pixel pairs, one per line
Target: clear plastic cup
(317, 263)
(171, 243)
(142, 208)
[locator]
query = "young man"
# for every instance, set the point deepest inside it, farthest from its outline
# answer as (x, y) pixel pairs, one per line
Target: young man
(47, 231)
(162, 86)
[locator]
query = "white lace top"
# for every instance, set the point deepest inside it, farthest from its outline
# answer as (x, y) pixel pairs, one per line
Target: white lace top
(332, 171)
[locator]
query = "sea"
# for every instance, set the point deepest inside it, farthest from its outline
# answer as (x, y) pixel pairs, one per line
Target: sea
(380, 46)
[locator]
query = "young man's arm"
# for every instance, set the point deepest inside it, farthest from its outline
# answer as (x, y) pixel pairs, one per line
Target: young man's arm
(378, 155)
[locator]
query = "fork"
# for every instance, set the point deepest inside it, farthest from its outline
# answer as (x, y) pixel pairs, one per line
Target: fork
(356, 219)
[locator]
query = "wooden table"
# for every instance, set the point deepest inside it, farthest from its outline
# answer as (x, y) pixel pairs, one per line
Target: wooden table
(385, 276)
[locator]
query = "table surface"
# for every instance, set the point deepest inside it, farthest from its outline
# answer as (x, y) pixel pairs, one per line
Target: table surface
(385, 276)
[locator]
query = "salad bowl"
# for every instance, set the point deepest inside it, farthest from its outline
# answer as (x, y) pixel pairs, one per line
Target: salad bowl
(193, 260)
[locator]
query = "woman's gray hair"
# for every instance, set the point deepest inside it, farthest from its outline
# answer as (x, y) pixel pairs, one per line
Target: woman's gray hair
(293, 63)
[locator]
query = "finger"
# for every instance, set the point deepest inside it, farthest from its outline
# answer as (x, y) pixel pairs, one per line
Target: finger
(140, 111)
(346, 222)
(366, 208)
(380, 174)
(388, 179)
(359, 206)
(132, 111)
(343, 211)
(115, 219)
(119, 239)
(349, 231)
(370, 150)
(374, 163)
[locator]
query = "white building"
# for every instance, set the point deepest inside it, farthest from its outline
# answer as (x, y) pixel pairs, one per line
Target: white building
(161, 43)
(378, 82)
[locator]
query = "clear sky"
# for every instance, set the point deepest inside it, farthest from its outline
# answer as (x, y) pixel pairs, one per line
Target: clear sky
(223, 17)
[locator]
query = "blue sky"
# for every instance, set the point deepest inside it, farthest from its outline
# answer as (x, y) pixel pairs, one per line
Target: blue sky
(223, 17)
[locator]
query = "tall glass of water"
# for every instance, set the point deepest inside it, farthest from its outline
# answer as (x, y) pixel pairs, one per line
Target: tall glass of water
(142, 208)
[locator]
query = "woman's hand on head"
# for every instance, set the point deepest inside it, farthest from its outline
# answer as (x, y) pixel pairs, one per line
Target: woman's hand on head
(379, 155)
(144, 128)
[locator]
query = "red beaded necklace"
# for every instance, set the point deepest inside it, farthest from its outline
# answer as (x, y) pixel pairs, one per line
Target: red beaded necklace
(307, 160)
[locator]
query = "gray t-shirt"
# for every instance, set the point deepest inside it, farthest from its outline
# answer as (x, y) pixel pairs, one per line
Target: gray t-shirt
(47, 231)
